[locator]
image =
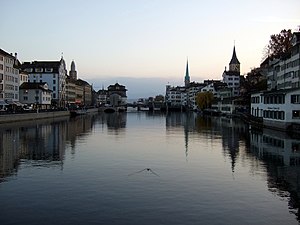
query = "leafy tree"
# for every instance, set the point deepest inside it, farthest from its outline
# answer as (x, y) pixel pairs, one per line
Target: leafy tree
(204, 100)
(159, 98)
(279, 44)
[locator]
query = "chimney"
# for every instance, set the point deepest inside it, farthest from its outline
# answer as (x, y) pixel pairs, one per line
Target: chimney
(16, 55)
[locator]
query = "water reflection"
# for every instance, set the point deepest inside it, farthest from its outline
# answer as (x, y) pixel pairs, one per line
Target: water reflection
(46, 144)
(278, 152)
(43, 142)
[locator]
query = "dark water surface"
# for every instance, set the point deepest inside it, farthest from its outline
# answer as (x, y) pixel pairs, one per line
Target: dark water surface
(141, 168)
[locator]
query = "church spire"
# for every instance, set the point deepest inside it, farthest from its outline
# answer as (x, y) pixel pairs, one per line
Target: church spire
(234, 59)
(187, 75)
(234, 65)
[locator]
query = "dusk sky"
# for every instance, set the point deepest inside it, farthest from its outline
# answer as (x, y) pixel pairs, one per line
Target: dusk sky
(144, 42)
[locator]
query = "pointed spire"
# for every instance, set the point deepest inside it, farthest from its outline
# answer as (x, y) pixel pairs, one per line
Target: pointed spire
(234, 59)
(187, 74)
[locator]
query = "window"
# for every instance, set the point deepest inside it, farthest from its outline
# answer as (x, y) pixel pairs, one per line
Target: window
(295, 99)
(296, 114)
(25, 98)
(48, 69)
(54, 88)
(54, 81)
(38, 70)
(29, 70)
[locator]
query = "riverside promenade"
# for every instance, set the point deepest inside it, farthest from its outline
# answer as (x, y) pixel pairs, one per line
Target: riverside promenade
(18, 117)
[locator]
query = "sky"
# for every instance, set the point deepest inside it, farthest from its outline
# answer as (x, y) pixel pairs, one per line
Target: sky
(144, 44)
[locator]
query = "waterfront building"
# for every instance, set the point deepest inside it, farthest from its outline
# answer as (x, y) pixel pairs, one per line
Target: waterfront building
(78, 91)
(176, 97)
(280, 108)
(37, 94)
(192, 92)
(83, 92)
(116, 95)
(70, 91)
(53, 73)
(9, 78)
(102, 97)
(232, 76)
(284, 71)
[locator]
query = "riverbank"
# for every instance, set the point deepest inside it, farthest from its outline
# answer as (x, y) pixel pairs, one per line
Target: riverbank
(17, 117)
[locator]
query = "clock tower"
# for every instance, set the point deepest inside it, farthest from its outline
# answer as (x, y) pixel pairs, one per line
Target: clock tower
(234, 65)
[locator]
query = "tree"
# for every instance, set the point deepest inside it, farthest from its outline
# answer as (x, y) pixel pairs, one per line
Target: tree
(159, 98)
(279, 44)
(204, 100)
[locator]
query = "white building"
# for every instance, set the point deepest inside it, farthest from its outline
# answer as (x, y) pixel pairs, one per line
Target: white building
(37, 94)
(53, 73)
(284, 72)
(176, 96)
(9, 78)
(279, 108)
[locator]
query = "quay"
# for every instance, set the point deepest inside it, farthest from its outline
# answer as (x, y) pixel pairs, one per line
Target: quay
(19, 117)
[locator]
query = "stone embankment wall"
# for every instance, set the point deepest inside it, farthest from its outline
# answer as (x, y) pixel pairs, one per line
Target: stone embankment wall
(31, 116)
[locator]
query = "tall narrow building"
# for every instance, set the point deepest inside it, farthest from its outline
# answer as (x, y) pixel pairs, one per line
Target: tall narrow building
(73, 72)
(232, 76)
(187, 75)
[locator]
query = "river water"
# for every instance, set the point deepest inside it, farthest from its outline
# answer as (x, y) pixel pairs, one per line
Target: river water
(147, 168)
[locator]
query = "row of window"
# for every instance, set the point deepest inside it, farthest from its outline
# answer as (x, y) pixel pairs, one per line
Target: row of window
(11, 78)
(11, 87)
(11, 95)
(39, 70)
(274, 99)
(278, 115)
(290, 64)
(236, 78)
(11, 70)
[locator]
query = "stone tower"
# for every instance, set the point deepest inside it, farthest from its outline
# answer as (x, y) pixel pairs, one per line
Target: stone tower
(73, 72)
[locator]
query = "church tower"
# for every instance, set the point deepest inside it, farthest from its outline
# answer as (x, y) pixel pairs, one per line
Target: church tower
(73, 72)
(234, 65)
(187, 75)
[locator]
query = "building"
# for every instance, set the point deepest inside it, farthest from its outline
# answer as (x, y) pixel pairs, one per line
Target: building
(232, 76)
(9, 78)
(83, 92)
(53, 73)
(117, 95)
(284, 72)
(77, 91)
(176, 97)
(36, 94)
(70, 91)
(279, 106)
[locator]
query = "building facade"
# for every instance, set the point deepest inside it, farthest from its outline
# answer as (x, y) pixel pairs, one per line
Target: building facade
(53, 73)
(9, 77)
(36, 94)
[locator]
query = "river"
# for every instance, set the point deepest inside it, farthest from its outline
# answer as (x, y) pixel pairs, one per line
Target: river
(147, 168)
